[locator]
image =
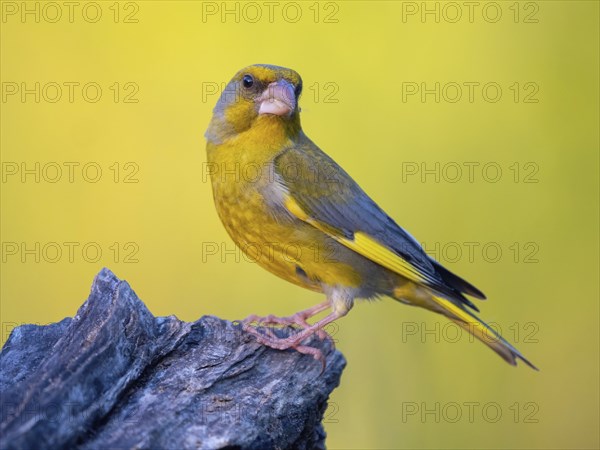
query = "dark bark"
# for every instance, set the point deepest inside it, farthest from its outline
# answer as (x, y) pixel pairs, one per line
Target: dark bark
(115, 376)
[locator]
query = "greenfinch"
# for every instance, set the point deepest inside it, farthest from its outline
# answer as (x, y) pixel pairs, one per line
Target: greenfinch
(290, 207)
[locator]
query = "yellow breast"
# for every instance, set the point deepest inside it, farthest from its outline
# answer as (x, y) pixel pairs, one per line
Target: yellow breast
(245, 193)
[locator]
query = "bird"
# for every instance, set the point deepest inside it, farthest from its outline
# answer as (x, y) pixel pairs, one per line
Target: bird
(292, 209)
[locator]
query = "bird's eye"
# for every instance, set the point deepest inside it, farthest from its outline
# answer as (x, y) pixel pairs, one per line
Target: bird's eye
(248, 81)
(298, 89)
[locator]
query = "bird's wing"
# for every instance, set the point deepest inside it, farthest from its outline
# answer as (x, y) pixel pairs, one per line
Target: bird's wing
(321, 193)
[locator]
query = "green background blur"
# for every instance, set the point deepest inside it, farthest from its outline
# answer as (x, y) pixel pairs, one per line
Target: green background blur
(533, 228)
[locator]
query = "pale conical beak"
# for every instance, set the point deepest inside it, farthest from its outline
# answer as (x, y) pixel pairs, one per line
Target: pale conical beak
(279, 99)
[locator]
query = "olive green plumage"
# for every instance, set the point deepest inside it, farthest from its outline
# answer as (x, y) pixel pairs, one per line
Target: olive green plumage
(301, 216)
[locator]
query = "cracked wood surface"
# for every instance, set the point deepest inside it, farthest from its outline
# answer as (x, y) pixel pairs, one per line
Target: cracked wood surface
(115, 376)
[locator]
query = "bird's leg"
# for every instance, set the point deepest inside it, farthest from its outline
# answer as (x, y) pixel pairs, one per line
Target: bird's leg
(296, 339)
(300, 319)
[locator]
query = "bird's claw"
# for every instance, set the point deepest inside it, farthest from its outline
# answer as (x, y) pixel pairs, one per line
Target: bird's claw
(266, 336)
(298, 319)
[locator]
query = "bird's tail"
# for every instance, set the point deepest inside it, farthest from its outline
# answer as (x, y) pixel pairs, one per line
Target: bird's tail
(482, 331)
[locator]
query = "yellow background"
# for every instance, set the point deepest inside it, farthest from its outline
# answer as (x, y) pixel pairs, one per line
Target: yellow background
(173, 55)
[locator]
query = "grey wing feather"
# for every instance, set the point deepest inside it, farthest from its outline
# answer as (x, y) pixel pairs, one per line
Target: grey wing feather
(331, 196)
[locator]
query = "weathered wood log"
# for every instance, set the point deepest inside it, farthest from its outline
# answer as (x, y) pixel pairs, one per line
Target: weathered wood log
(115, 376)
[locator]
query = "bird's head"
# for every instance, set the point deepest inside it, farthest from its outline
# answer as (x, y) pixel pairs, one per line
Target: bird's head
(256, 94)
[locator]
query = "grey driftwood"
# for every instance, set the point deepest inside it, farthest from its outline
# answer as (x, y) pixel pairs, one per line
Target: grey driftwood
(115, 376)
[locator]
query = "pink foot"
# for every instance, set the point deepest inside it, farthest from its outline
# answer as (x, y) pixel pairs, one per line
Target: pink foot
(294, 341)
(268, 338)
(296, 320)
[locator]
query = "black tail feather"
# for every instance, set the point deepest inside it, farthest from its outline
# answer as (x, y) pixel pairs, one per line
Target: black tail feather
(457, 283)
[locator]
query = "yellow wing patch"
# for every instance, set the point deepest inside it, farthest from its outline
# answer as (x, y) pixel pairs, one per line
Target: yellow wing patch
(370, 248)
(293, 207)
(363, 244)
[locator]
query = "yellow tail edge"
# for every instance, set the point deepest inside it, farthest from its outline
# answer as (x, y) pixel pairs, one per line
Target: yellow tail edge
(482, 331)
